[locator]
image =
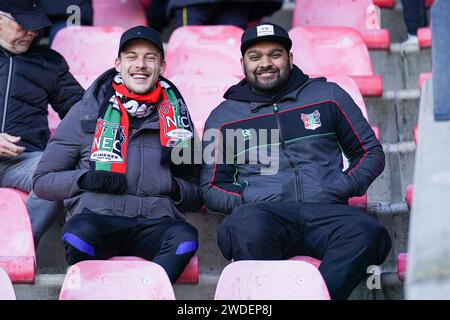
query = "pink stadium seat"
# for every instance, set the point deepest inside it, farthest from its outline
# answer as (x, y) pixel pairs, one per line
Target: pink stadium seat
(429, 3)
(17, 255)
(409, 195)
(89, 51)
(416, 133)
(315, 262)
(116, 280)
(271, 280)
(424, 77)
(402, 261)
(360, 15)
(119, 13)
(384, 3)
(204, 50)
(145, 3)
(53, 120)
(328, 51)
(424, 36)
(6, 287)
(202, 96)
(189, 275)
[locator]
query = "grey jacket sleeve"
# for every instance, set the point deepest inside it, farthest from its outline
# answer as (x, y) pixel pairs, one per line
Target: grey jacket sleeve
(216, 177)
(57, 173)
(359, 143)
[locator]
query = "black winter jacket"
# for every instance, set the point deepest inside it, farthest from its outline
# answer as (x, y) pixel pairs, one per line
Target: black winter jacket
(314, 124)
(29, 82)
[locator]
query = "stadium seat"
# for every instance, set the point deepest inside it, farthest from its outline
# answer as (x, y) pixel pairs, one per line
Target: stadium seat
(327, 51)
(6, 287)
(53, 120)
(409, 195)
(204, 50)
(384, 3)
(116, 280)
(424, 37)
(315, 262)
(271, 280)
(189, 275)
(424, 77)
(145, 3)
(429, 3)
(119, 13)
(89, 51)
(17, 255)
(402, 261)
(360, 15)
(202, 96)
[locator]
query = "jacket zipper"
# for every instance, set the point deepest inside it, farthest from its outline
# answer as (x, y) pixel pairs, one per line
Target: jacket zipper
(297, 180)
(8, 86)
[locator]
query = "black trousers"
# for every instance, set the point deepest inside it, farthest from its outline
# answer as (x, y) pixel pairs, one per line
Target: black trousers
(415, 15)
(345, 238)
(165, 241)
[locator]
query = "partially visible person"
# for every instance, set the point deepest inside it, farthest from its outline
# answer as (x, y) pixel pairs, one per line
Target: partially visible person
(415, 15)
(156, 15)
(220, 12)
(31, 77)
(59, 12)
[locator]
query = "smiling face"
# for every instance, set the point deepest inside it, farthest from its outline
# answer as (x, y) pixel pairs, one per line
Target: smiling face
(140, 64)
(267, 66)
(13, 37)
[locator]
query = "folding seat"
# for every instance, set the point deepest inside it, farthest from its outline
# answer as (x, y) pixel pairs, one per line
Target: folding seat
(384, 3)
(189, 275)
(17, 254)
(201, 95)
(315, 262)
(6, 287)
(116, 280)
(360, 15)
(335, 51)
(429, 3)
(424, 37)
(402, 261)
(271, 280)
(120, 13)
(145, 4)
(89, 51)
(424, 77)
(204, 50)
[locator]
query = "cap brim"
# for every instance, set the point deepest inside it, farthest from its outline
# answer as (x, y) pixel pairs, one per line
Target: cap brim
(285, 42)
(34, 21)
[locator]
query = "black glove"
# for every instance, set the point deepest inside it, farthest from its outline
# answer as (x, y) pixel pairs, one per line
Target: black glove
(103, 182)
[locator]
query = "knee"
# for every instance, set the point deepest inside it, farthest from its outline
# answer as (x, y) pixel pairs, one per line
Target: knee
(183, 237)
(375, 238)
(80, 226)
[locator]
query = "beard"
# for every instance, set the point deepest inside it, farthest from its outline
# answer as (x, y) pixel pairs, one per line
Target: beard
(268, 86)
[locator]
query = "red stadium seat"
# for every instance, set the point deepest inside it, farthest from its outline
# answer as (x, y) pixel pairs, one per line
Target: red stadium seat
(315, 262)
(145, 3)
(360, 15)
(202, 96)
(424, 37)
(416, 133)
(424, 77)
(119, 13)
(409, 195)
(116, 280)
(189, 275)
(6, 287)
(402, 261)
(204, 50)
(89, 51)
(328, 50)
(17, 255)
(384, 3)
(271, 280)
(429, 3)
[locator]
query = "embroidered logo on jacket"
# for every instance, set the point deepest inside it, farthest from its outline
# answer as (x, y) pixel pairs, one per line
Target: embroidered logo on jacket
(312, 120)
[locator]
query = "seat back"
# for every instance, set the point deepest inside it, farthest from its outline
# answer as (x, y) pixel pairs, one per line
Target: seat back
(89, 51)
(204, 50)
(119, 13)
(6, 287)
(17, 254)
(116, 280)
(271, 280)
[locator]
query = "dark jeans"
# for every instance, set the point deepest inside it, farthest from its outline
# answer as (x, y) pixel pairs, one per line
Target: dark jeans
(345, 238)
(165, 241)
(415, 15)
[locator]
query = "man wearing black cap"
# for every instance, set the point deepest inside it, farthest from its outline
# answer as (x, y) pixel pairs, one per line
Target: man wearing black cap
(31, 78)
(110, 161)
(301, 208)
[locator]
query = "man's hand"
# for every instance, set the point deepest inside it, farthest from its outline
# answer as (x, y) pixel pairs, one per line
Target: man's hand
(8, 147)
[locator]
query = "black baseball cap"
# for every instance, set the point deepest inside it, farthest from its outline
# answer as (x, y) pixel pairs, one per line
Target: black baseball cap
(141, 32)
(28, 13)
(265, 32)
